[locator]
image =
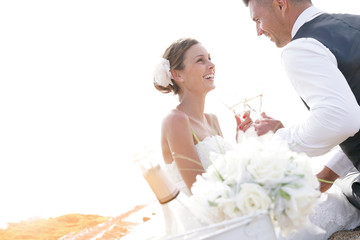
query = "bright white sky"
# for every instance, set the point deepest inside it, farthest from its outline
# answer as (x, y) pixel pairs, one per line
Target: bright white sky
(76, 94)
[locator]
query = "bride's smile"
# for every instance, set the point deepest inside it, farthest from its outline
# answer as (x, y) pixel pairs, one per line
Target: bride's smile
(210, 77)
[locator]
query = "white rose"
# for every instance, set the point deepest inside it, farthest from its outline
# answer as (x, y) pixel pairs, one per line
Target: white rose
(294, 213)
(213, 172)
(229, 208)
(162, 75)
(303, 168)
(266, 166)
(302, 202)
(234, 171)
(252, 198)
(204, 198)
(209, 191)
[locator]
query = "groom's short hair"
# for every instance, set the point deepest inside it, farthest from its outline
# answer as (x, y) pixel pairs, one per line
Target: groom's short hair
(246, 2)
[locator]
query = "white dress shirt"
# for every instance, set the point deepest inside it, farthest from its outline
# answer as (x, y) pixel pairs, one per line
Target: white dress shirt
(335, 114)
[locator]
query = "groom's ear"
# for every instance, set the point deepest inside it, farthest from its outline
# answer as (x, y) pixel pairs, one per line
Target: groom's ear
(176, 75)
(281, 4)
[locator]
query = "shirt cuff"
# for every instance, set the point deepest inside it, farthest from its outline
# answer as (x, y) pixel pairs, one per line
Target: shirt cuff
(340, 163)
(281, 132)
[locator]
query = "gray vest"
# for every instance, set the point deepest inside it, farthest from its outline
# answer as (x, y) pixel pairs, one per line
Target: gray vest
(340, 33)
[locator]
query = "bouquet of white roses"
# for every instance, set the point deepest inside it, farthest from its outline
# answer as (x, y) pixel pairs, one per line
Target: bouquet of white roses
(260, 173)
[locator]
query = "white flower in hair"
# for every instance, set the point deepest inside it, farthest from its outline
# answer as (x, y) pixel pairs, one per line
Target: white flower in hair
(162, 75)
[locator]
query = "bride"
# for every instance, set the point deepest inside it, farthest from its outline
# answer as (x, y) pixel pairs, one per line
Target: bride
(191, 77)
(188, 133)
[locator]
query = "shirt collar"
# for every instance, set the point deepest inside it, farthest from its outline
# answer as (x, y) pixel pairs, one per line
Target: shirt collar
(307, 15)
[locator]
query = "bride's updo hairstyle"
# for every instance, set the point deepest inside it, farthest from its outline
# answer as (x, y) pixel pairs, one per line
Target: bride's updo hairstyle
(175, 53)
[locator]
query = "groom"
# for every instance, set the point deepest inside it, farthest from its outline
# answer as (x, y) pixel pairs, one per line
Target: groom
(322, 60)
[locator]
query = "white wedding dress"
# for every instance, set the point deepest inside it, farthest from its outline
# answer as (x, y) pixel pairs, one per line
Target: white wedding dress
(211, 144)
(333, 212)
(177, 216)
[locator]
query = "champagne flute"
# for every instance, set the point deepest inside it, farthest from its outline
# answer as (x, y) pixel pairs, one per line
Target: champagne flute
(252, 104)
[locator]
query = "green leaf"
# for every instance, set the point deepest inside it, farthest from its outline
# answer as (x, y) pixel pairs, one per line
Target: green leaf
(294, 185)
(212, 204)
(284, 194)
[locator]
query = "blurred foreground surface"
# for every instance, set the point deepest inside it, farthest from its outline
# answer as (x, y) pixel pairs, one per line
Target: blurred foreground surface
(142, 222)
(84, 227)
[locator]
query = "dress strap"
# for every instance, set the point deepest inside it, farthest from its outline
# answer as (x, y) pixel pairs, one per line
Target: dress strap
(197, 140)
(201, 146)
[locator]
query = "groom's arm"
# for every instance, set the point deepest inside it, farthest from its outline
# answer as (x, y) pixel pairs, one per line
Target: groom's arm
(339, 163)
(337, 167)
(334, 112)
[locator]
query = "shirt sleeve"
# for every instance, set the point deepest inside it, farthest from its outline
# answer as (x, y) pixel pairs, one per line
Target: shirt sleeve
(334, 113)
(340, 163)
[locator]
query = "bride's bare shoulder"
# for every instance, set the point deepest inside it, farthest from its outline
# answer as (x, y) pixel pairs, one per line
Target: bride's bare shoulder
(176, 118)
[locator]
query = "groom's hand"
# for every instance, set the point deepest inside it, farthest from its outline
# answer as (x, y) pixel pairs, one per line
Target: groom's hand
(266, 124)
(328, 175)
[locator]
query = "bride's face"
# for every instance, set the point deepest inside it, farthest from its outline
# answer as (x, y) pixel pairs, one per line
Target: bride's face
(199, 71)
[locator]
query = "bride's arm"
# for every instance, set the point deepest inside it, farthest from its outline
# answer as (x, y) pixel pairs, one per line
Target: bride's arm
(176, 130)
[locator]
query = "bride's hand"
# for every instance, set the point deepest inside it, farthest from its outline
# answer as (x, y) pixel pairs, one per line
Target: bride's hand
(266, 124)
(244, 124)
